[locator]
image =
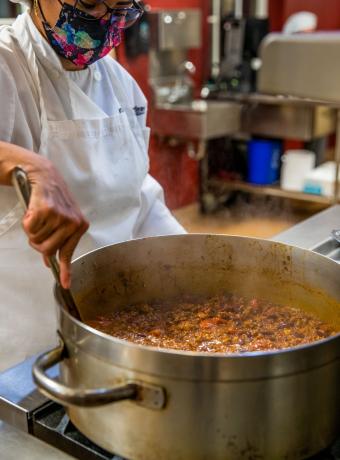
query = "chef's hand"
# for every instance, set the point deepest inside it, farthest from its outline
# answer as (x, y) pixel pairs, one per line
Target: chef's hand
(53, 222)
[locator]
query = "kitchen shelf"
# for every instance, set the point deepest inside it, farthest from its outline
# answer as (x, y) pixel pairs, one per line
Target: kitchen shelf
(270, 99)
(221, 186)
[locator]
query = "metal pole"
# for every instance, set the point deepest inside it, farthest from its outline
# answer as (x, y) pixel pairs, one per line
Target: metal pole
(337, 157)
(261, 9)
(216, 38)
(238, 9)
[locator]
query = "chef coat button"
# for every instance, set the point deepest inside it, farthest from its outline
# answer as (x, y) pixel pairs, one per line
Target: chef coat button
(97, 75)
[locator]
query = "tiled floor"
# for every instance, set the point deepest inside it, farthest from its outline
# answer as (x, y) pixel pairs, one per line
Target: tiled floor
(258, 217)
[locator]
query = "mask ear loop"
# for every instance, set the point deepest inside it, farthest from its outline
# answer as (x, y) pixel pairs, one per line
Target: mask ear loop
(36, 8)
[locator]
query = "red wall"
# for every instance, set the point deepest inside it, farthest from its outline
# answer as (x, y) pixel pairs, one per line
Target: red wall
(328, 12)
(171, 166)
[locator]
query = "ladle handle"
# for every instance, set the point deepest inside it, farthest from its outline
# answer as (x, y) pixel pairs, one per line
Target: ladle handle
(23, 190)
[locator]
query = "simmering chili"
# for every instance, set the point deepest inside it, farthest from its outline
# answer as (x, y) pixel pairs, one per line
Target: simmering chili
(222, 324)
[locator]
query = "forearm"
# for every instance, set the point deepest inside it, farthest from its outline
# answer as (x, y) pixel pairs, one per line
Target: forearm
(53, 222)
(12, 155)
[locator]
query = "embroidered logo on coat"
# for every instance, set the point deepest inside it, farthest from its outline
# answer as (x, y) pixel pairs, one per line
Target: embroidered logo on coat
(139, 111)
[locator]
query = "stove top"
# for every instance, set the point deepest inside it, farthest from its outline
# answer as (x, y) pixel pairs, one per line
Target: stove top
(52, 425)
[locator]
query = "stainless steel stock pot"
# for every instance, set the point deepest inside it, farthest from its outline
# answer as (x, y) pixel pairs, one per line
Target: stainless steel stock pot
(145, 403)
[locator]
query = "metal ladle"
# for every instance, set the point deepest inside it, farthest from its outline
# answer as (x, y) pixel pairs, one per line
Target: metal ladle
(23, 190)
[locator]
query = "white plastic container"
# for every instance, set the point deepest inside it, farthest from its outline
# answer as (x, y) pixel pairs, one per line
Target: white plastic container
(321, 180)
(296, 164)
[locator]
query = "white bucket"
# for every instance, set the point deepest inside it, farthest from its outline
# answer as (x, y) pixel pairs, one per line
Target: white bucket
(296, 164)
(321, 181)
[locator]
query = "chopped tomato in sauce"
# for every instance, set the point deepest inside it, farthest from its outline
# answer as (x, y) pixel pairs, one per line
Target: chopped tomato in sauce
(221, 324)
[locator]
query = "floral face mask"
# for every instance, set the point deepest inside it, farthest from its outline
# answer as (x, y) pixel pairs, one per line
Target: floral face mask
(80, 37)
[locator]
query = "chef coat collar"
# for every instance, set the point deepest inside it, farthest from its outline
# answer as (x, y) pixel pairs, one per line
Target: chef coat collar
(27, 30)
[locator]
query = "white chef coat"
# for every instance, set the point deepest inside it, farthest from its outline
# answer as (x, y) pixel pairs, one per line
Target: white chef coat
(91, 124)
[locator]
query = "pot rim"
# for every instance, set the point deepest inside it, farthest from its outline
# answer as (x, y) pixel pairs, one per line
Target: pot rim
(184, 364)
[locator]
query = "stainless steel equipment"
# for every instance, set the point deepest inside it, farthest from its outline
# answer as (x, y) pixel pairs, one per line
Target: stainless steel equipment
(187, 405)
(237, 29)
(175, 29)
(47, 421)
(304, 65)
(284, 117)
(174, 112)
(261, 114)
(36, 418)
(172, 34)
(314, 233)
(198, 120)
(231, 64)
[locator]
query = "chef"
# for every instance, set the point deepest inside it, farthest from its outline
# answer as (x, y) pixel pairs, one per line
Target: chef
(75, 120)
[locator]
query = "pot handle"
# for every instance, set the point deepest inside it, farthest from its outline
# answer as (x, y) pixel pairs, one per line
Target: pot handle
(150, 396)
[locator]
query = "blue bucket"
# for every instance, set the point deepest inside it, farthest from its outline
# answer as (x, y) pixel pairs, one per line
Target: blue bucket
(264, 161)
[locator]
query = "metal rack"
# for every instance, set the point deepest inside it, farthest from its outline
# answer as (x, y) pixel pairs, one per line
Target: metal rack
(276, 117)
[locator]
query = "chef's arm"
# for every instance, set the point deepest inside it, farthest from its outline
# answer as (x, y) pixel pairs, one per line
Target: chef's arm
(53, 222)
(155, 219)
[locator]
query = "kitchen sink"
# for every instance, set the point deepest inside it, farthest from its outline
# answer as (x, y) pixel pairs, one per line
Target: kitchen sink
(198, 119)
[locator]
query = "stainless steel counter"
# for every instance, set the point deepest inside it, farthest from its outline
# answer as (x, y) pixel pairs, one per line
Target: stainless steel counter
(16, 444)
(312, 231)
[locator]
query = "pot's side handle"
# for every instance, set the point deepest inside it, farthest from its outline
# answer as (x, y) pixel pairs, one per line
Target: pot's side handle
(150, 396)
